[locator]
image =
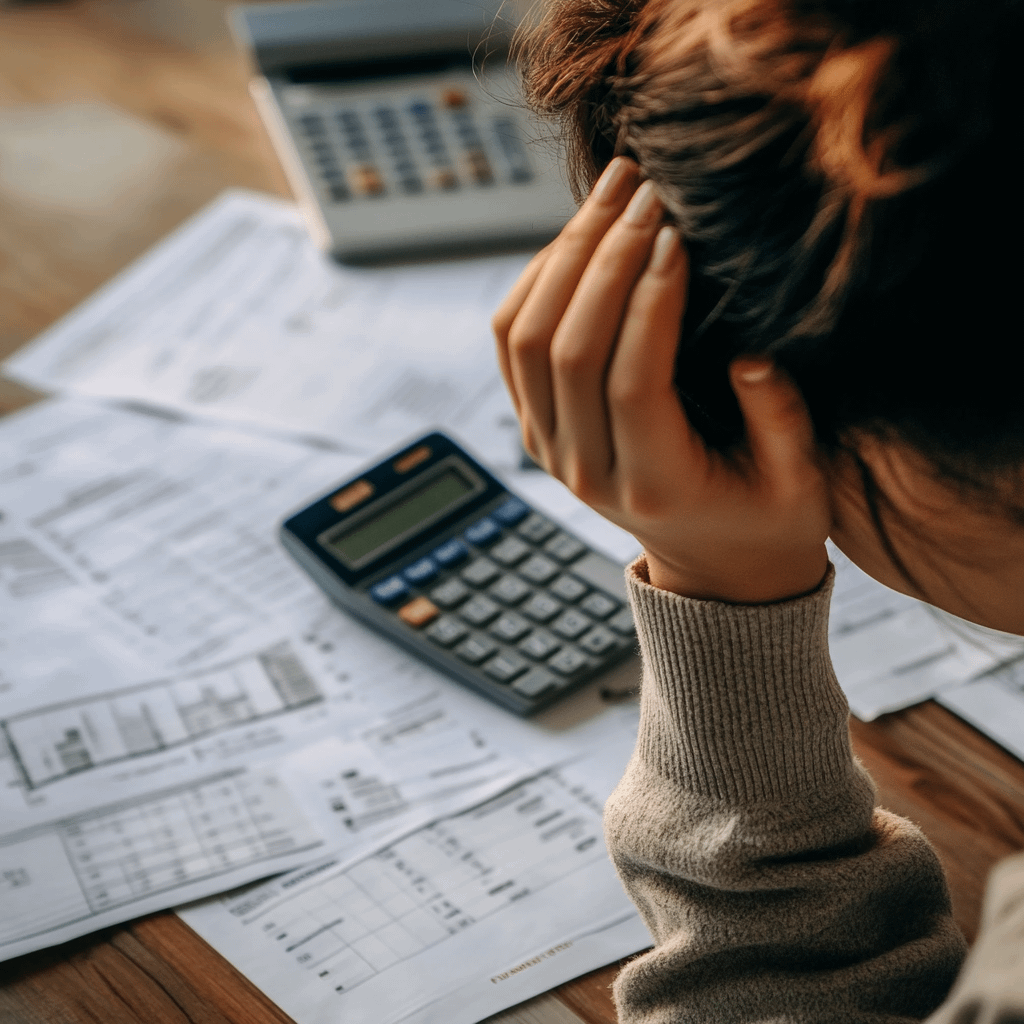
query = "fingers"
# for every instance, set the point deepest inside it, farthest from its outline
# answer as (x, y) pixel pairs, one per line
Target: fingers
(779, 429)
(645, 413)
(589, 333)
(534, 324)
(502, 320)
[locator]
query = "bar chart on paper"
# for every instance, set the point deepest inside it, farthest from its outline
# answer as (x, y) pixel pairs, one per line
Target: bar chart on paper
(51, 743)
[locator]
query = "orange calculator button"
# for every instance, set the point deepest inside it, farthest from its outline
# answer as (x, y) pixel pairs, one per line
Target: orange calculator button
(445, 179)
(351, 496)
(418, 612)
(365, 179)
(410, 460)
(454, 98)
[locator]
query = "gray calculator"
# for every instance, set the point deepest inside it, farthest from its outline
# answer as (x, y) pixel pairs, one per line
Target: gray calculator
(401, 128)
(434, 551)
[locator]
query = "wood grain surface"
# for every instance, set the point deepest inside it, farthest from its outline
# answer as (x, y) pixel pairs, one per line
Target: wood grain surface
(166, 70)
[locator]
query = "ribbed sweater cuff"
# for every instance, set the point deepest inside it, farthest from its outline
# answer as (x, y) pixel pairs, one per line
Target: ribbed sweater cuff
(739, 702)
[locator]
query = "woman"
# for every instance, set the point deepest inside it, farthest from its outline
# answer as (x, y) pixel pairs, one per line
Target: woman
(785, 311)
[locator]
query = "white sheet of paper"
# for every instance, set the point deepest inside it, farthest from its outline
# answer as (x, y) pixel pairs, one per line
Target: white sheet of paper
(448, 924)
(237, 316)
(890, 651)
(994, 704)
(106, 861)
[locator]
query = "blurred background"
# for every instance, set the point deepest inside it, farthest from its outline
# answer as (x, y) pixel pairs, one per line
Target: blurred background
(118, 119)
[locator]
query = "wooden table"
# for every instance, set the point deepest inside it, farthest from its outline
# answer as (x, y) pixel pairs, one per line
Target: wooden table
(167, 65)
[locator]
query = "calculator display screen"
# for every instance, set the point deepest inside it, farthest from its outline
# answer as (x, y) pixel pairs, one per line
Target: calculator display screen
(419, 506)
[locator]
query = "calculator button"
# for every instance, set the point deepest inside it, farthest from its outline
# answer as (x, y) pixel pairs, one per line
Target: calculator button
(510, 627)
(418, 612)
(510, 551)
(539, 644)
(477, 166)
(476, 648)
(599, 640)
(450, 552)
(623, 622)
(513, 149)
(482, 532)
(537, 528)
(568, 660)
(511, 511)
(451, 593)
(445, 179)
(505, 666)
(510, 589)
(480, 572)
(339, 193)
(599, 605)
(538, 569)
(479, 610)
(536, 682)
(564, 547)
(568, 588)
(446, 630)
(541, 607)
(365, 180)
(571, 623)
(454, 98)
(421, 571)
(411, 184)
(389, 591)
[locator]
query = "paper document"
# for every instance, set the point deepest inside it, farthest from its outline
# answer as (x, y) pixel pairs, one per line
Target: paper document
(443, 926)
(107, 862)
(890, 651)
(157, 642)
(994, 704)
(237, 316)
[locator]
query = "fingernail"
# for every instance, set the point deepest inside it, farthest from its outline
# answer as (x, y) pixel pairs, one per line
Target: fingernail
(754, 371)
(666, 245)
(611, 181)
(644, 207)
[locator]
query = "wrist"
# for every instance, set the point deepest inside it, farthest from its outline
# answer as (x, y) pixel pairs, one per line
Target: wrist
(751, 582)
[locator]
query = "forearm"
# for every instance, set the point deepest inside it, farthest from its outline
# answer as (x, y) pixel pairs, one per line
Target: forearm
(746, 833)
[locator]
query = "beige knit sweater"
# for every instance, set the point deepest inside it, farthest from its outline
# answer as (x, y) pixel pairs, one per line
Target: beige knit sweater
(747, 835)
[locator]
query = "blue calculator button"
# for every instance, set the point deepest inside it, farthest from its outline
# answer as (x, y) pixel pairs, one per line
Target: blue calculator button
(421, 570)
(450, 552)
(389, 591)
(483, 531)
(510, 512)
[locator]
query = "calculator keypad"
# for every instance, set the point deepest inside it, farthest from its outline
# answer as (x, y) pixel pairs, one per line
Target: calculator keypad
(502, 597)
(429, 138)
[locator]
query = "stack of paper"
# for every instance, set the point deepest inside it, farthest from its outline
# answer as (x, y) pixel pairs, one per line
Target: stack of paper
(182, 712)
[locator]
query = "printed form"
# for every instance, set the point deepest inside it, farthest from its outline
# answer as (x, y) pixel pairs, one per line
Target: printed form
(162, 655)
(237, 316)
(419, 931)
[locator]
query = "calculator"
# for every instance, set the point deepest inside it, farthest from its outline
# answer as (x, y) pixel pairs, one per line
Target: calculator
(432, 550)
(401, 128)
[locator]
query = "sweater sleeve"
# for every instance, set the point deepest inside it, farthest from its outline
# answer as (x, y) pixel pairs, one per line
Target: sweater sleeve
(747, 834)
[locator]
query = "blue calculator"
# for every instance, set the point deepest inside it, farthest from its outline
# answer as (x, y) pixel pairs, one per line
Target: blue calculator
(432, 550)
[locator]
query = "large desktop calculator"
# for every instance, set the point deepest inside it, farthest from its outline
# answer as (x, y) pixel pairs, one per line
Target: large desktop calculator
(431, 549)
(401, 127)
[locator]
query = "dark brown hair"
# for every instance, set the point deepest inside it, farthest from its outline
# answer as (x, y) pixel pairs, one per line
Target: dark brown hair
(847, 176)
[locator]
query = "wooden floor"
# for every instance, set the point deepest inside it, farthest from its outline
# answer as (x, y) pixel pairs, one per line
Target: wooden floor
(159, 78)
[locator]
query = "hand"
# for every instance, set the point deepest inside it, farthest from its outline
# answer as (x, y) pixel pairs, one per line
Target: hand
(587, 341)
